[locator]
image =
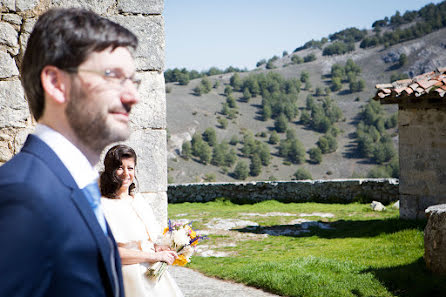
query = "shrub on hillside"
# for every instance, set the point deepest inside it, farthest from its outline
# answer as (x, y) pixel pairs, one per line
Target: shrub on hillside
(302, 174)
(241, 170)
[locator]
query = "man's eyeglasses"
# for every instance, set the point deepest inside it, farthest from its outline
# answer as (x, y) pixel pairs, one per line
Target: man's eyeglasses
(110, 76)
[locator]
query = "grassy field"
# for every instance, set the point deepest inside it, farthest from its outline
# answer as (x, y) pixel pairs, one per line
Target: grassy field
(360, 253)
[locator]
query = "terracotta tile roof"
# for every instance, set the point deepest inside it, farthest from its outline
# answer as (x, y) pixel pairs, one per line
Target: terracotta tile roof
(432, 85)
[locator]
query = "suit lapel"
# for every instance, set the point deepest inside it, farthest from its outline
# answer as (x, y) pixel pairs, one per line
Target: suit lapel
(41, 150)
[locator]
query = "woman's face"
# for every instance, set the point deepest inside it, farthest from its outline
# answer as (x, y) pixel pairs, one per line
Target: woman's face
(126, 172)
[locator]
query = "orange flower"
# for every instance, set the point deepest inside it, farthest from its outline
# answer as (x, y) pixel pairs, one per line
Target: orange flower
(165, 230)
(180, 261)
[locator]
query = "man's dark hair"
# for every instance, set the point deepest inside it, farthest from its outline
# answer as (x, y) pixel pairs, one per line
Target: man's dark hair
(65, 38)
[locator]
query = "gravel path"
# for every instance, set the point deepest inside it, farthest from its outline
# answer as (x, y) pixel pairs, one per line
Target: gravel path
(195, 284)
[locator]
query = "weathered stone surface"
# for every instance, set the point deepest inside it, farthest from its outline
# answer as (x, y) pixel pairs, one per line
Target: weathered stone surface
(329, 191)
(422, 159)
(151, 170)
(377, 206)
(141, 6)
(12, 18)
(100, 7)
(9, 4)
(158, 203)
(435, 239)
(13, 107)
(8, 35)
(150, 112)
(23, 5)
(28, 25)
(8, 67)
(6, 152)
(150, 32)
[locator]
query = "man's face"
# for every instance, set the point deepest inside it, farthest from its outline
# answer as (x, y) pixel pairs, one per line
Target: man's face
(99, 106)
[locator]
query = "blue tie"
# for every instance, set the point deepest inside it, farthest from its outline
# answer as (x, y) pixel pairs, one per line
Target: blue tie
(94, 198)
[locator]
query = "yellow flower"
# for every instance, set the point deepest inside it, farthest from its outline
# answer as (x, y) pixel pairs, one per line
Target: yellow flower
(165, 230)
(180, 261)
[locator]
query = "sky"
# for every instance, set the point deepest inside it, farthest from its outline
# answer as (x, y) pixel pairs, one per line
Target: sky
(204, 33)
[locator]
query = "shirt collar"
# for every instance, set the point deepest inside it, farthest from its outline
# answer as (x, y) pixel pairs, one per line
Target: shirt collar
(73, 159)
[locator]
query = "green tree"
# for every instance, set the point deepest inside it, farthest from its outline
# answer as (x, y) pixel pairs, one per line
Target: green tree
(296, 59)
(246, 94)
(223, 123)
(281, 123)
(274, 138)
(315, 155)
(206, 85)
(210, 136)
(296, 152)
(186, 150)
(305, 118)
(241, 170)
(402, 60)
(235, 81)
(255, 168)
(231, 101)
(230, 158)
(302, 174)
(336, 84)
(234, 140)
(183, 79)
(266, 112)
(264, 154)
(304, 76)
(205, 153)
(198, 90)
(228, 90)
(216, 84)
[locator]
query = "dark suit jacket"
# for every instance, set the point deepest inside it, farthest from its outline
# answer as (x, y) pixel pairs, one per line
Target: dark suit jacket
(51, 243)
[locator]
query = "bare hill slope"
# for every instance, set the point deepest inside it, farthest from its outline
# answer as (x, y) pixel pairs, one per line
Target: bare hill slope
(188, 113)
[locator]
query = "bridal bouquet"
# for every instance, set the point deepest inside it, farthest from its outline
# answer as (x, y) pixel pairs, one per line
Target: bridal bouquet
(180, 238)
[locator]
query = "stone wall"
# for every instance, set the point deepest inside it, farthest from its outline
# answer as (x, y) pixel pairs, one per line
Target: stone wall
(422, 153)
(144, 18)
(329, 191)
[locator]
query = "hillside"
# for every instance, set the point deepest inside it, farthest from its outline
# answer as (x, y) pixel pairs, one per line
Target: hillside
(188, 113)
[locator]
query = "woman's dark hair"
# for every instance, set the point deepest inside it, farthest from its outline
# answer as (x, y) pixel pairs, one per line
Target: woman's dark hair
(109, 180)
(65, 37)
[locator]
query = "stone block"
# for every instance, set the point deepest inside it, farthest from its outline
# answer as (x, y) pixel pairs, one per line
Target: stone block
(150, 112)
(141, 6)
(408, 206)
(8, 4)
(8, 67)
(99, 7)
(158, 203)
(150, 32)
(435, 239)
(13, 106)
(24, 5)
(151, 169)
(12, 18)
(8, 35)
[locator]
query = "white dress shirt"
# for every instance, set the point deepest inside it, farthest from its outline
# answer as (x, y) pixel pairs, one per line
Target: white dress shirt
(73, 159)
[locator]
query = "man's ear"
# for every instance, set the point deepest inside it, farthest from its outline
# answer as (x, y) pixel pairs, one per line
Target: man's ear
(54, 83)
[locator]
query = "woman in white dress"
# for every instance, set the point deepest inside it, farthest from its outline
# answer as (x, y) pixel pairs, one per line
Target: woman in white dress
(134, 227)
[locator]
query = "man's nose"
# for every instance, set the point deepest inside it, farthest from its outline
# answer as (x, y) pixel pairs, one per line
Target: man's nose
(130, 95)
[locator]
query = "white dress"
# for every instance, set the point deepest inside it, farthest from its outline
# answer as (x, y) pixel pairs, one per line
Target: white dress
(132, 222)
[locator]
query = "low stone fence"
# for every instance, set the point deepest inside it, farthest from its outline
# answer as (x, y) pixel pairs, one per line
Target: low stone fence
(325, 191)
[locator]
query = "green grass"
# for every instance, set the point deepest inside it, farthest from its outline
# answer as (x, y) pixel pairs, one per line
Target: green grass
(365, 254)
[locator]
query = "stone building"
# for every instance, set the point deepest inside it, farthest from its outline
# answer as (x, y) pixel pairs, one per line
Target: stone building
(148, 137)
(422, 139)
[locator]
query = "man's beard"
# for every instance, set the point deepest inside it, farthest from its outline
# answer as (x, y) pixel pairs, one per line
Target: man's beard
(89, 122)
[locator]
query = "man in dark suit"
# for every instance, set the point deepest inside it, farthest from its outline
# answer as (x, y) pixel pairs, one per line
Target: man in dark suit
(78, 76)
